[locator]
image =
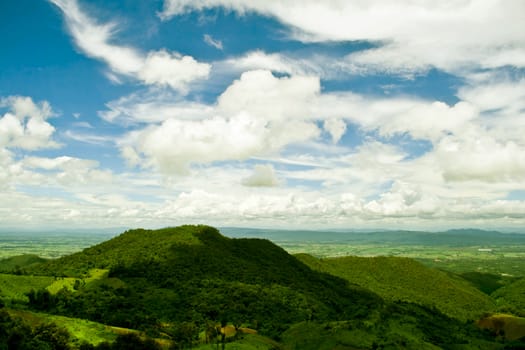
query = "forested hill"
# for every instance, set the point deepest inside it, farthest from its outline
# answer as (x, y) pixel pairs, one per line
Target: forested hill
(396, 278)
(191, 273)
(186, 278)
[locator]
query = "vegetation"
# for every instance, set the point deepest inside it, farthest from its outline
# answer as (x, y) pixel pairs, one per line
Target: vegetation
(16, 334)
(191, 287)
(511, 298)
(14, 288)
(194, 274)
(403, 279)
(16, 264)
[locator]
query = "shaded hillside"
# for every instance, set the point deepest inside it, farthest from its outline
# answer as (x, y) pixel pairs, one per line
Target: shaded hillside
(487, 282)
(194, 274)
(17, 263)
(400, 325)
(405, 279)
(511, 298)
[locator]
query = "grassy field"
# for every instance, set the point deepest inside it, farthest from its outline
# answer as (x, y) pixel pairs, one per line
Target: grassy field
(13, 287)
(80, 330)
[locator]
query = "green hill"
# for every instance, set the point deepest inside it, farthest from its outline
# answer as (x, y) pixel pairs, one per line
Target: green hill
(193, 273)
(395, 278)
(180, 283)
(511, 298)
(19, 262)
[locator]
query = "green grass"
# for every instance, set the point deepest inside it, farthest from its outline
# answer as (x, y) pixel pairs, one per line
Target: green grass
(96, 333)
(245, 342)
(80, 330)
(15, 287)
(91, 277)
(61, 283)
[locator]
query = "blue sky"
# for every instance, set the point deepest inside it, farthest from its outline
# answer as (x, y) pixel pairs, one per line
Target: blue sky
(326, 114)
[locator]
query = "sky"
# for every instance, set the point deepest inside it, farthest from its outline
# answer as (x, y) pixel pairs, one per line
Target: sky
(262, 113)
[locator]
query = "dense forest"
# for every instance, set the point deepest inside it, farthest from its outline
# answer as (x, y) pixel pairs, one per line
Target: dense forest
(190, 286)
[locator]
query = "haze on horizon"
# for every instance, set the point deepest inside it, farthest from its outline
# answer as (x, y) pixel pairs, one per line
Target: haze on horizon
(311, 114)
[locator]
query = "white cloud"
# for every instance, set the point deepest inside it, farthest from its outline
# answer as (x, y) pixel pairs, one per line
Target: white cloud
(154, 106)
(478, 156)
(450, 35)
(174, 145)
(90, 138)
(258, 114)
(269, 98)
(260, 60)
(68, 171)
(208, 39)
(336, 128)
(172, 69)
(262, 176)
(502, 95)
(397, 115)
(315, 64)
(25, 126)
(157, 67)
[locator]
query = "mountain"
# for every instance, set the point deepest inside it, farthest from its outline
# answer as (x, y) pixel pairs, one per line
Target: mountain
(193, 273)
(404, 279)
(458, 238)
(180, 283)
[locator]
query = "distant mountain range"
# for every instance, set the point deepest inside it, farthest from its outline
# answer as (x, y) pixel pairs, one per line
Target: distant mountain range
(457, 237)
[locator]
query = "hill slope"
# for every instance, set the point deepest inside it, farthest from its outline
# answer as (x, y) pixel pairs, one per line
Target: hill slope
(19, 262)
(193, 273)
(405, 279)
(512, 297)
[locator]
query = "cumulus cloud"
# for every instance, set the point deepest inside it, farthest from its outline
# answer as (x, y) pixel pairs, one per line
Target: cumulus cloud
(262, 176)
(268, 97)
(422, 119)
(156, 67)
(68, 171)
(411, 36)
(173, 69)
(258, 114)
(26, 126)
(479, 156)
